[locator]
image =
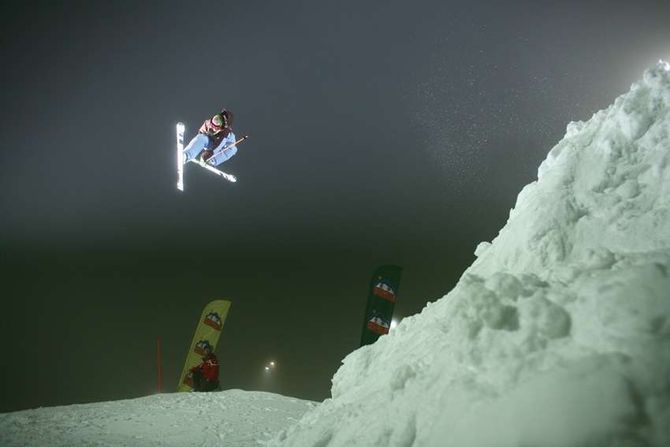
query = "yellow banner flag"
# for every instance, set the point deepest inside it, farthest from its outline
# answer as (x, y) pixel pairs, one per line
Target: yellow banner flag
(206, 333)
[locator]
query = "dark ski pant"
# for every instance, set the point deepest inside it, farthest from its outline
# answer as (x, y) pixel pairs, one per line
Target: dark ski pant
(202, 384)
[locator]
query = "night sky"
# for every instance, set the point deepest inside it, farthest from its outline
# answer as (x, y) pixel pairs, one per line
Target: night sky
(380, 132)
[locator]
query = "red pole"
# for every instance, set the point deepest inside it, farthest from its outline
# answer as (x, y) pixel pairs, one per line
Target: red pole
(158, 361)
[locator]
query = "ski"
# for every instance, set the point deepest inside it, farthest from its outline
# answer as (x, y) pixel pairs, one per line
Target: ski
(180, 156)
(210, 168)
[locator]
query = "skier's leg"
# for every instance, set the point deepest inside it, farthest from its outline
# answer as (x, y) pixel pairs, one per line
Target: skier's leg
(224, 151)
(197, 380)
(221, 156)
(197, 144)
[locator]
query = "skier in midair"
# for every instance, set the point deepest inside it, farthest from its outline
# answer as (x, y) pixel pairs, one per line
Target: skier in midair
(214, 143)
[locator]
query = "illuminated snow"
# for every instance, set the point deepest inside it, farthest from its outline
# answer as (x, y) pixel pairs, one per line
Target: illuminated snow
(232, 418)
(559, 333)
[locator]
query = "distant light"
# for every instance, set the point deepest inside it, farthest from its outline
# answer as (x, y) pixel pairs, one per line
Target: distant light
(272, 364)
(394, 323)
(267, 368)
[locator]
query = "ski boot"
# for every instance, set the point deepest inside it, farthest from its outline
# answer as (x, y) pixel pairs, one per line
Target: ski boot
(205, 155)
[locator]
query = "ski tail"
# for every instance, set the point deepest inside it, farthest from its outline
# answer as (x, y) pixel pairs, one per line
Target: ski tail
(231, 178)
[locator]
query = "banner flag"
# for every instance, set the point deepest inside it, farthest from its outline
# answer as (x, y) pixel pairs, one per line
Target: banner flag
(206, 334)
(382, 297)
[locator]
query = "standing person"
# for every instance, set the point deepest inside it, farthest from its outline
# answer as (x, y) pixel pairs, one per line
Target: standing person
(206, 374)
(214, 143)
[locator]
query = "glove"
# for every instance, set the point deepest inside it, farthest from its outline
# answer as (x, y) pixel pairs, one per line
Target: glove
(206, 155)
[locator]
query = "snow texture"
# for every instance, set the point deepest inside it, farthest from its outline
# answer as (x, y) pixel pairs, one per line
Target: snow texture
(559, 333)
(231, 418)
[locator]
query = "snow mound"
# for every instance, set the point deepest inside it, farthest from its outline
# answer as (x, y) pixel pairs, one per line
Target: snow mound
(232, 418)
(559, 333)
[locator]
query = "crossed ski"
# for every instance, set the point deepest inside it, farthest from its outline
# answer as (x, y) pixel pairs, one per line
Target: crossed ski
(210, 168)
(180, 159)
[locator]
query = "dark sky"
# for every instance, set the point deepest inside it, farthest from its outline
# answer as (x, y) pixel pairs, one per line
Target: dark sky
(381, 132)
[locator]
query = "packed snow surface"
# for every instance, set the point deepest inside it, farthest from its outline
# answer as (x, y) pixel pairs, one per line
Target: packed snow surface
(559, 333)
(231, 418)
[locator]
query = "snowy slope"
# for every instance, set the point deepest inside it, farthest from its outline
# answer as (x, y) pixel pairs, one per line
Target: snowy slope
(559, 333)
(232, 418)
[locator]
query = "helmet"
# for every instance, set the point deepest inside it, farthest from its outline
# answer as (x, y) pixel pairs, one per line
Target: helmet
(223, 119)
(217, 120)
